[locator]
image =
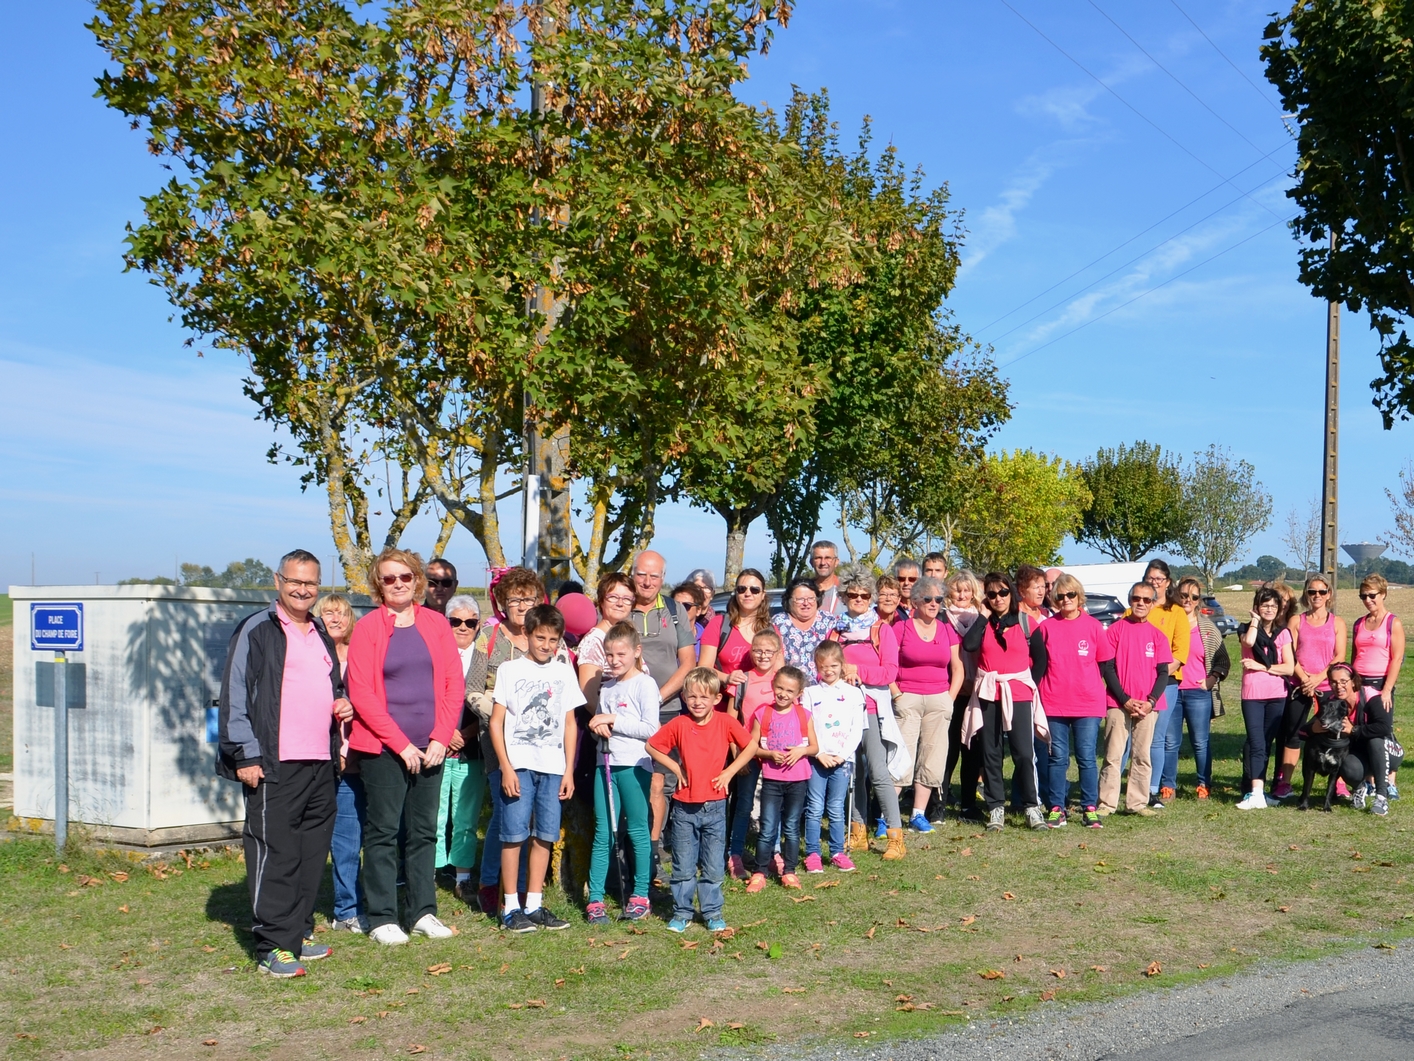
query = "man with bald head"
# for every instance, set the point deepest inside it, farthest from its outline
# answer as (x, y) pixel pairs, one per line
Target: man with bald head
(669, 639)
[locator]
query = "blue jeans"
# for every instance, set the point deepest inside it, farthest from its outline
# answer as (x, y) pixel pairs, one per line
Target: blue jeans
(1163, 754)
(491, 846)
(699, 857)
(781, 805)
(1195, 705)
(743, 796)
(826, 794)
(1081, 736)
(346, 846)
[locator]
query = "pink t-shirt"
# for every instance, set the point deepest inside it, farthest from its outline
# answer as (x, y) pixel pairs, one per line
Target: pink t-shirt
(923, 665)
(785, 731)
(1259, 685)
(1195, 671)
(1139, 650)
(1075, 648)
(306, 693)
(759, 693)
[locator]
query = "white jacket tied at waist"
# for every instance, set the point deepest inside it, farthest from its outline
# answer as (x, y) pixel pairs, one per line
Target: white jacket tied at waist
(993, 686)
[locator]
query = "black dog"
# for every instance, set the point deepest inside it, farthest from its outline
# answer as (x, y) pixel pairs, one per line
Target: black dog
(1324, 751)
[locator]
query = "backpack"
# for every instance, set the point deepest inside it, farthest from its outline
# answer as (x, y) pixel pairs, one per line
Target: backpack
(836, 636)
(801, 716)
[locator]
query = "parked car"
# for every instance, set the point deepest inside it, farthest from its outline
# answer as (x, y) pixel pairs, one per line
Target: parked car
(1225, 623)
(1104, 607)
(775, 598)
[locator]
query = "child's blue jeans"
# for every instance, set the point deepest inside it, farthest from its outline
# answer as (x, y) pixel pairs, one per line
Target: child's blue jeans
(826, 795)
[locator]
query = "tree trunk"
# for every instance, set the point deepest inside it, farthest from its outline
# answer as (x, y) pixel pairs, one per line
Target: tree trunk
(736, 550)
(444, 533)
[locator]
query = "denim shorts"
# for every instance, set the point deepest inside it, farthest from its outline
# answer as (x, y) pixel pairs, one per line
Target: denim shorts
(536, 811)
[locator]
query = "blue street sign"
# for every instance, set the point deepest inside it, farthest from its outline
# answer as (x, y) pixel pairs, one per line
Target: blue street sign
(56, 627)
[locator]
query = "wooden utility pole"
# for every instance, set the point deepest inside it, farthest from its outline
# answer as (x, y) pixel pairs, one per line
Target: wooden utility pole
(1330, 493)
(545, 497)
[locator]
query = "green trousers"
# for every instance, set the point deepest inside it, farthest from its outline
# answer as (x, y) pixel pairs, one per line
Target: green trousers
(630, 793)
(463, 789)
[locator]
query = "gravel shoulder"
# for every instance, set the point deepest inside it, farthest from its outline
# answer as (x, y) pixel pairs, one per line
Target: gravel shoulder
(1353, 1005)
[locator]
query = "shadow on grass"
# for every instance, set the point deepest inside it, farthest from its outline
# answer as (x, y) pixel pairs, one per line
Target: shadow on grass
(230, 905)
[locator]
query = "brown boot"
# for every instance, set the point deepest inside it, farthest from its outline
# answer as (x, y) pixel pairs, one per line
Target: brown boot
(895, 850)
(858, 838)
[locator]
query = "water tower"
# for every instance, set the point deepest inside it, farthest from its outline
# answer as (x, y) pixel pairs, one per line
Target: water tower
(1362, 553)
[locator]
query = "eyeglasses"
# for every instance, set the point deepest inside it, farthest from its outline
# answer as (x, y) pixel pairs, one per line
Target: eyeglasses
(519, 600)
(1141, 600)
(910, 579)
(997, 594)
(749, 591)
(857, 596)
(804, 600)
(1341, 681)
(1067, 595)
(620, 599)
(298, 583)
(1191, 596)
(470, 624)
(931, 600)
(1369, 596)
(393, 580)
(1319, 592)
(442, 583)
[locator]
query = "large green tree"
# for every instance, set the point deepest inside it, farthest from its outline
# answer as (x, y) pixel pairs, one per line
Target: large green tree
(1226, 508)
(1019, 509)
(1345, 69)
(1136, 500)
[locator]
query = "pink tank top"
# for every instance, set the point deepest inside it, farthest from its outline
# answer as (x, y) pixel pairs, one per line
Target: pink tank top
(1372, 648)
(1315, 650)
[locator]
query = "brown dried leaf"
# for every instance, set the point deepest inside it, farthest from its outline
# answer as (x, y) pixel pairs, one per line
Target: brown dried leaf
(870, 933)
(416, 1048)
(969, 919)
(1048, 996)
(209, 949)
(209, 1042)
(560, 982)
(155, 1029)
(793, 990)
(973, 876)
(992, 974)
(1059, 974)
(861, 1035)
(689, 944)
(515, 1005)
(412, 990)
(123, 909)
(907, 1007)
(1283, 909)
(535, 1003)
(66, 946)
(762, 945)
(358, 1020)
(1099, 968)
(702, 1025)
(827, 884)
(966, 852)
(802, 898)
(903, 998)
(626, 952)
(440, 968)
(120, 877)
(1153, 969)
(726, 933)
(736, 1026)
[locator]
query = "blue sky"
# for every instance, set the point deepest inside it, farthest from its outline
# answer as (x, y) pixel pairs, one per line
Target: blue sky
(123, 452)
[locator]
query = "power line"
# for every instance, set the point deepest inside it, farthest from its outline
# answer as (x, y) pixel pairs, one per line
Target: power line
(1174, 77)
(1125, 265)
(1131, 239)
(1255, 87)
(1149, 121)
(1150, 291)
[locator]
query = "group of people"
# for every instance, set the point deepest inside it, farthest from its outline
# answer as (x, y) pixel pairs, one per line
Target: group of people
(379, 739)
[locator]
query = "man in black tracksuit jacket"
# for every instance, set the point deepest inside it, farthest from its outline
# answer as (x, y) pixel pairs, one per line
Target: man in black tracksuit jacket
(290, 802)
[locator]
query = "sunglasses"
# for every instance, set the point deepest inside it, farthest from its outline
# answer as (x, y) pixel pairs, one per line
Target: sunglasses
(910, 579)
(931, 600)
(1369, 596)
(1191, 596)
(393, 580)
(442, 583)
(749, 591)
(1319, 592)
(997, 594)
(470, 624)
(857, 596)
(1067, 595)
(1141, 600)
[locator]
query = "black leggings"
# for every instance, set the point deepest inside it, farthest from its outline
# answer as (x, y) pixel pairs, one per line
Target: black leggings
(959, 753)
(1367, 759)
(1298, 707)
(1023, 754)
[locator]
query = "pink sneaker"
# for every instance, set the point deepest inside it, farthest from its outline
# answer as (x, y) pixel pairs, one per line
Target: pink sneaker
(812, 864)
(736, 866)
(1340, 789)
(1282, 790)
(779, 863)
(842, 863)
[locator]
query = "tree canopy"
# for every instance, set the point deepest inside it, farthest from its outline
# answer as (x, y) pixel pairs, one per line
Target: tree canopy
(1227, 507)
(1019, 509)
(1136, 501)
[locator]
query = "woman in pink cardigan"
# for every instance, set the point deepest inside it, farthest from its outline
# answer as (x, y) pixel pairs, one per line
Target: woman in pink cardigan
(405, 682)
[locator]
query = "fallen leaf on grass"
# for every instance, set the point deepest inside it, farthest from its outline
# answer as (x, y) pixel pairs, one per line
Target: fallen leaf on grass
(969, 919)
(1008, 896)
(902, 923)
(535, 1003)
(142, 983)
(762, 945)
(802, 898)
(861, 1035)
(209, 949)
(560, 982)
(440, 968)
(1202, 965)
(1059, 974)
(702, 1025)
(1153, 969)
(515, 1005)
(381, 1014)
(416, 1048)
(1008, 998)
(753, 924)
(154, 1029)
(903, 998)
(85, 881)
(626, 952)
(1384, 946)
(973, 876)
(1099, 968)
(1283, 909)
(120, 876)
(507, 965)
(736, 1026)
(827, 884)
(1292, 847)
(209, 1042)
(357, 1020)
(907, 1007)
(66, 946)
(992, 974)
(412, 990)
(870, 933)
(579, 971)
(26, 1035)
(793, 990)
(689, 944)
(1048, 996)
(1384, 863)
(123, 909)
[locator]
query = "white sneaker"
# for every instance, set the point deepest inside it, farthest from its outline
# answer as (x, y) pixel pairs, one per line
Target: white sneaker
(1253, 801)
(390, 935)
(429, 926)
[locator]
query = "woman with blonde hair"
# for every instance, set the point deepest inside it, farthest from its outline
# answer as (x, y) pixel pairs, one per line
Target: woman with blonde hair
(1377, 650)
(337, 614)
(405, 682)
(1207, 665)
(1318, 639)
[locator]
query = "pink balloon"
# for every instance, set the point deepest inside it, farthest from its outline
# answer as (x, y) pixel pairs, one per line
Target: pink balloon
(579, 612)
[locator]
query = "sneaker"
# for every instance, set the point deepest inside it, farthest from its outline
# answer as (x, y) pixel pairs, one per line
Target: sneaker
(791, 881)
(996, 819)
(1201, 792)
(357, 925)
(882, 832)
(546, 920)
(1167, 794)
(1090, 818)
(1035, 818)
(518, 921)
(678, 925)
(1282, 789)
(1340, 788)
(312, 952)
(736, 866)
(1357, 796)
(428, 925)
(280, 964)
(778, 863)
(390, 935)
(466, 891)
(1379, 806)
(596, 914)
(1253, 801)
(489, 896)
(813, 863)
(1156, 802)
(842, 862)
(716, 924)
(756, 883)
(1144, 812)
(638, 908)
(1393, 792)
(919, 823)
(1056, 819)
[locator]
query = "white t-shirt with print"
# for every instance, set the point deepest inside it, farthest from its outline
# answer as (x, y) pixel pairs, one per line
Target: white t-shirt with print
(536, 697)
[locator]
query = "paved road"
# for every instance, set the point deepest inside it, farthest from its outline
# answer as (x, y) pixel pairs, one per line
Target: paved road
(1357, 1007)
